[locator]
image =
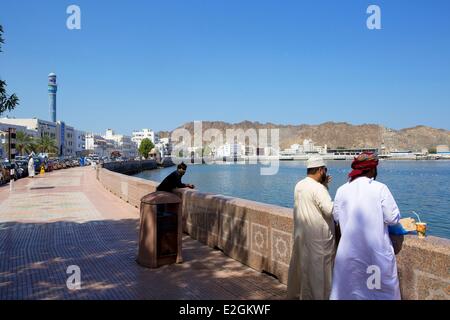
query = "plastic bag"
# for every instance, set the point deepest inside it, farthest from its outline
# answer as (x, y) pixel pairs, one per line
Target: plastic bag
(397, 230)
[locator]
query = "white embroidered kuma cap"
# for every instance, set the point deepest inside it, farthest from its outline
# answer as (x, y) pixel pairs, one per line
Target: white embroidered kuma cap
(315, 161)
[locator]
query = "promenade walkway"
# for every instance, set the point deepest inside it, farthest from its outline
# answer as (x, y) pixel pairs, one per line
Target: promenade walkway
(67, 218)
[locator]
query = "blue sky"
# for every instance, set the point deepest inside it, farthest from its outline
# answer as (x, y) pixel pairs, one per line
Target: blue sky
(137, 64)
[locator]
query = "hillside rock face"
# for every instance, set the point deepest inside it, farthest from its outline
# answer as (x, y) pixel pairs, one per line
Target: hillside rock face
(341, 134)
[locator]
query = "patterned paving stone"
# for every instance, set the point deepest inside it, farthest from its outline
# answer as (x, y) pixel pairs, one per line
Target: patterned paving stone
(43, 232)
(39, 182)
(73, 206)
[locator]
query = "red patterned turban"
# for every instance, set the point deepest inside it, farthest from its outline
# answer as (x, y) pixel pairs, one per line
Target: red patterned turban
(363, 163)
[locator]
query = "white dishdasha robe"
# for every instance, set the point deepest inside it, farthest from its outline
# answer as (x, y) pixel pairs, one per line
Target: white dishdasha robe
(363, 209)
(314, 246)
(31, 172)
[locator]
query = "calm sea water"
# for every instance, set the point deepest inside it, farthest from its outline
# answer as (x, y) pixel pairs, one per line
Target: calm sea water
(421, 186)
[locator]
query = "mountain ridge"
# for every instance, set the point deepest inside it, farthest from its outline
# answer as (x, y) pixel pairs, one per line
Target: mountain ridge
(340, 134)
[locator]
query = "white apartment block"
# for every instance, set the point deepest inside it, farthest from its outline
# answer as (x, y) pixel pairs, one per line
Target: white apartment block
(308, 146)
(65, 139)
(122, 143)
(98, 145)
(164, 146)
(63, 134)
(230, 150)
(80, 142)
(138, 136)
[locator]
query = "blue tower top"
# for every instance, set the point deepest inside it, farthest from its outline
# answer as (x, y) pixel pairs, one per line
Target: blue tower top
(52, 86)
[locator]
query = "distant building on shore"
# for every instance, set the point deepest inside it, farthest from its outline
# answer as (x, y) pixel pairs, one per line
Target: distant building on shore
(307, 147)
(63, 134)
(403, 155)
(80, 142)
(122, 143)
(105, 145)
(96, 144)
(351, 151)
(4, 135)
(164, 145)
(229, 150)
(139, 135)
(442, 149)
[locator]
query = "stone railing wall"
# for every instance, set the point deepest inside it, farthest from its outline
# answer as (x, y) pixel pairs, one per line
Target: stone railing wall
(130, 167)
(129, 189)
(260, 236)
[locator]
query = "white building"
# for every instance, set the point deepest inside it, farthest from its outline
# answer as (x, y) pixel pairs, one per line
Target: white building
(63, 134)
(442, 149)
(122, 143)
(403, 154)
(138, 136)
(230, 150)
(321, 150)
(98, 145)
(80, 142)
(65, 139)
(39, 127)
(164, 146)
(5, 126)
(308, 146)
(4, 136)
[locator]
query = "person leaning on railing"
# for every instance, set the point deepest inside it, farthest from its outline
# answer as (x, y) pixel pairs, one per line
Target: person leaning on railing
(173, 180)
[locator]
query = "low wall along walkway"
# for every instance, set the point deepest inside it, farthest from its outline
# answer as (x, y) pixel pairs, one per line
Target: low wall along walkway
(260, 235)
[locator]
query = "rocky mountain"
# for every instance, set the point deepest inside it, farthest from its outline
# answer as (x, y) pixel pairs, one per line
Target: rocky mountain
(341, 134)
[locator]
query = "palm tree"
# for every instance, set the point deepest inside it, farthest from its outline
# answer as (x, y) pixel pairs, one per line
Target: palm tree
(24, 143)
(46, 144)
(7, 103)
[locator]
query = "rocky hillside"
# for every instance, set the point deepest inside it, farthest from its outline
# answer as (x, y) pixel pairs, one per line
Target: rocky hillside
(342, 134)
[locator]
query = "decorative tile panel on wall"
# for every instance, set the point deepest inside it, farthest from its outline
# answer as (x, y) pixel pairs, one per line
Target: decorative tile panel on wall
(234, 231)
(260, 239)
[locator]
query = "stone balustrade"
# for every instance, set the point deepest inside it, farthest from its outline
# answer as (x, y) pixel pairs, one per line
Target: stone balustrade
(260, 235)
(130, 167)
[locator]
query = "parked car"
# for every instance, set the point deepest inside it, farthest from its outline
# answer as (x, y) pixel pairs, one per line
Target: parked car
(21, 169)
(5, 172)
(21, 158)
(49, 165)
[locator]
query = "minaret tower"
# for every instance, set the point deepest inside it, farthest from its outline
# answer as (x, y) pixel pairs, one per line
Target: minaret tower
(52, 88)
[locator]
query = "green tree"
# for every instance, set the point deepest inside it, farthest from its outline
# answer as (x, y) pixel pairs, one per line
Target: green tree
(46, 144)
(24, 143)
(145, 147)
(432, 150)
(6, 102)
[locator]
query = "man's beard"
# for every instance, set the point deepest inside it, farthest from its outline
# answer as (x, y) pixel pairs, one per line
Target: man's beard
(323, 178)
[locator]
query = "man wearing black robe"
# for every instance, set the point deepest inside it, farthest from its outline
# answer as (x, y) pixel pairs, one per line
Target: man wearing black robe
(173, 180)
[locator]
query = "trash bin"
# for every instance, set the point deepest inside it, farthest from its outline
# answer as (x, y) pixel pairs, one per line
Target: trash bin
(160, 230)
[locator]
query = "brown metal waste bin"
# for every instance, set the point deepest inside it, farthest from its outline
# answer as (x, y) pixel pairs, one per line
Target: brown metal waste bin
(160, 230)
